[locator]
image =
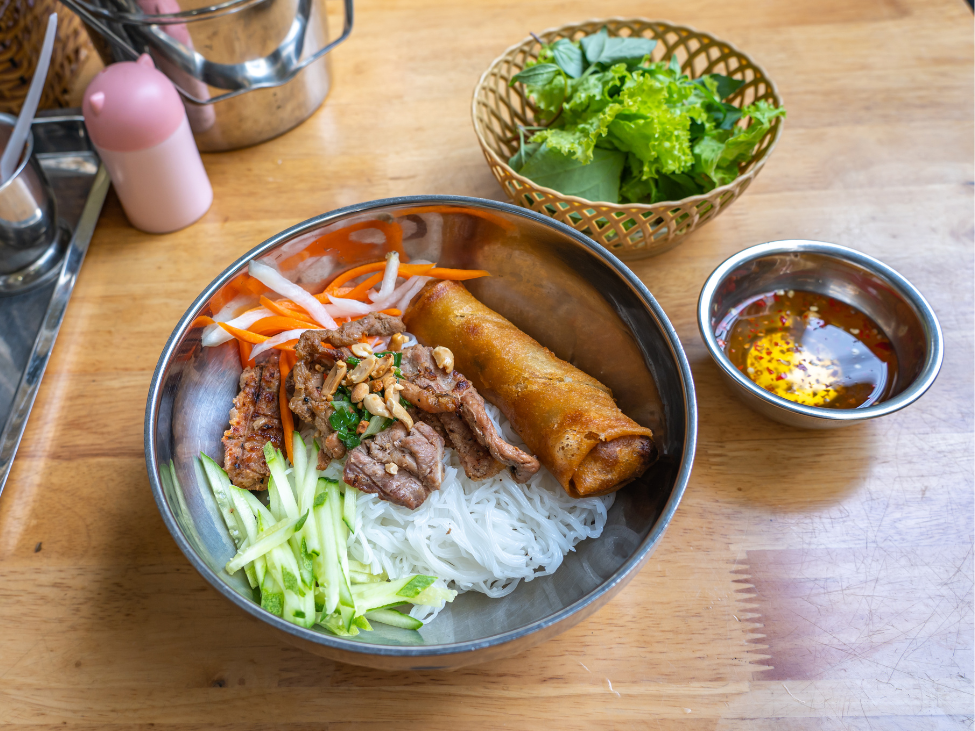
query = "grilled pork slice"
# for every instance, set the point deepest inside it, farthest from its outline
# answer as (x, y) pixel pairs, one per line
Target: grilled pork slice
(429, 387)
(375, 324)
(317, 352)
(449, 395)
(404, 467)
(522, 464)
(476, 459)
(255, 420)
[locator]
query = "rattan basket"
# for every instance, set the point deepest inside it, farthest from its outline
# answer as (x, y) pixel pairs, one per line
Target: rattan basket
(630, 231)
(22, 26)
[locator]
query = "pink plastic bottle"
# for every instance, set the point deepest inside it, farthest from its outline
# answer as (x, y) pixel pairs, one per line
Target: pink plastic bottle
(138, 124)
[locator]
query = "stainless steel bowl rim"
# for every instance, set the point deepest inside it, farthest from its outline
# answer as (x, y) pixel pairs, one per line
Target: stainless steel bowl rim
(28, 151)
(929, 322)
(252, 608)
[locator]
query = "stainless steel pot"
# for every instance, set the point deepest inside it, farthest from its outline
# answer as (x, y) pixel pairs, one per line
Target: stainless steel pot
(248, 70)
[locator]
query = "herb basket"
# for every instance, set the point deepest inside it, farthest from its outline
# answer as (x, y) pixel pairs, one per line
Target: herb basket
(630, 230)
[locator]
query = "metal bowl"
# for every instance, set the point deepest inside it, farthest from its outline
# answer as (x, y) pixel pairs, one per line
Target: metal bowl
(551, 281)
(848, 276)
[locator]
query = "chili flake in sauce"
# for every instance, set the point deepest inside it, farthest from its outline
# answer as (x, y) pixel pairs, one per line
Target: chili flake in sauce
(810, 349)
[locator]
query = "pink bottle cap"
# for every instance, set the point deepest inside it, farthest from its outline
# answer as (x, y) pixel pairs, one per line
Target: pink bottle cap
(131, 106)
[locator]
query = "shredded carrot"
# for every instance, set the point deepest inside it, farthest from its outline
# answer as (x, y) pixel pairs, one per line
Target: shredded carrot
(275, 325)
(289, 345)
(287, 308)
(359, 291)
(243, 283)
(406, 270)
(202, 321)
(287, 420)
(457, 275)
(245, 353)
(247, 337)
(392, 311)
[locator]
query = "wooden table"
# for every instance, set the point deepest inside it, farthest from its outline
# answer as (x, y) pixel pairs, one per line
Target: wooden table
(809, 580)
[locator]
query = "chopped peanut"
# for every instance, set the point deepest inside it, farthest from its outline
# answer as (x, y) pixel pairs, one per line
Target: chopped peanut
(396, 342)
(397, 411)
(383, 365)
(392, 469)
(375, 406)
(444, 358)
(361, 350)
(362, 371)
(361, 428)
(359, 392)
(334, 379)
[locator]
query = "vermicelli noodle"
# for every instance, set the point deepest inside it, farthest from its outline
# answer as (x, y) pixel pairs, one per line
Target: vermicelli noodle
(483, 536)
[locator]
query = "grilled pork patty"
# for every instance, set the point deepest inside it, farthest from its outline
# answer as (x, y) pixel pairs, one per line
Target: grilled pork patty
(255, 420)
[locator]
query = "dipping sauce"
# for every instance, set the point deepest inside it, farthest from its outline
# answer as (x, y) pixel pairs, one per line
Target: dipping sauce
(810, 349)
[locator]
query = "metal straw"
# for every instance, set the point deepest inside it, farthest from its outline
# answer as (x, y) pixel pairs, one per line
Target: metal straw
(15, 145)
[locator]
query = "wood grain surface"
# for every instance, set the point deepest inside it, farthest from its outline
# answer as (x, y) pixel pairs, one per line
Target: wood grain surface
(809, 580)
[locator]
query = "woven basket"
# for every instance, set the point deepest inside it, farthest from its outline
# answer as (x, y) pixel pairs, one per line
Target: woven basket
(630, 231)
(22, 27)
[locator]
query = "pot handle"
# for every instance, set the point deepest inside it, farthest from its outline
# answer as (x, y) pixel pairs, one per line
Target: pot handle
(281, 64)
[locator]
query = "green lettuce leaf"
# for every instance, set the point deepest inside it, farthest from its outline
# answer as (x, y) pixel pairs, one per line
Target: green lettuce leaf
(606, 108)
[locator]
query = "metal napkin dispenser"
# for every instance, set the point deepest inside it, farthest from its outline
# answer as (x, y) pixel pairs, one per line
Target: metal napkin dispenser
(248, 70)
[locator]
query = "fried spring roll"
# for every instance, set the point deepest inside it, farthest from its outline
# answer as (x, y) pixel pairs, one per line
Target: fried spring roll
(566, 417)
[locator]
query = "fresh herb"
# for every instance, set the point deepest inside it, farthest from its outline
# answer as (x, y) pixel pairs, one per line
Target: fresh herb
(342, 418)
(620, 128)
(345, 420)
(352, 361)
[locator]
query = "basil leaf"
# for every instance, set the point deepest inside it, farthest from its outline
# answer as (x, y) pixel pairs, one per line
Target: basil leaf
(518, 160)
(537, 75)
(610, 51)
(592, 45)
(569, 58)
(726, 85)
(731, 115)
(598, 180)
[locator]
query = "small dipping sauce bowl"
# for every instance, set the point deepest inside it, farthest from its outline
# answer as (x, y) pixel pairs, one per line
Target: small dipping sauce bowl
(848, 276)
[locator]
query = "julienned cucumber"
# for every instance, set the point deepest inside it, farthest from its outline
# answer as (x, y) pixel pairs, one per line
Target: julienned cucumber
(394, 618)
(295, 549)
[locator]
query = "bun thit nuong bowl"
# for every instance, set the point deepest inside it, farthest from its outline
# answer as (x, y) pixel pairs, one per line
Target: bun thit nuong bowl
(629, 230)
(548, 279)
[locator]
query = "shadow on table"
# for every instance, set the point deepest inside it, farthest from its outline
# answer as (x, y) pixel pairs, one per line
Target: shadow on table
(744, 456)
